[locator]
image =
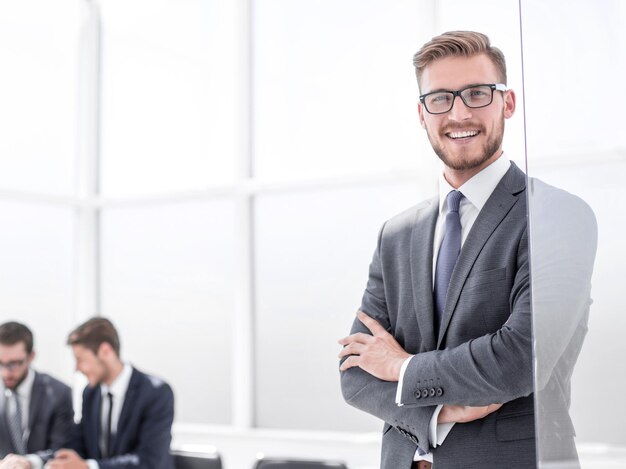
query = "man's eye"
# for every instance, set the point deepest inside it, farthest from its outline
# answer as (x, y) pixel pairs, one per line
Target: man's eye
(477, 93)
(440, 98)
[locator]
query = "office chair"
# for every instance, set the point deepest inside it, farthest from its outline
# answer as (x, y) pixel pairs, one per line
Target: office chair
(278, 463)
(196, 460)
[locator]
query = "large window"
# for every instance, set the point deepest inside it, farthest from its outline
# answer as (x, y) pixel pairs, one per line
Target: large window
(212, 176)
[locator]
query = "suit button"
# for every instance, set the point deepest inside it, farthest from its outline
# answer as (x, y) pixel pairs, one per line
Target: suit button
(439, 392)
(417, 394)
(424, 393)
(431, 392)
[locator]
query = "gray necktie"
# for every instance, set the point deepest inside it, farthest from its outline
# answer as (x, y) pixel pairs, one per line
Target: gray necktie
(14, 421)
(448, 254)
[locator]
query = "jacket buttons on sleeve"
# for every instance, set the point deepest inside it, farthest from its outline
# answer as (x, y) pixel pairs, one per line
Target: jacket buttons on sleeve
(439, 392)
(431, 392)
(417, 394)
(424, 393)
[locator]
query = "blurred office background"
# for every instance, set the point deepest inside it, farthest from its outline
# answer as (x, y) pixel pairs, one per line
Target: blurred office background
(211, 175)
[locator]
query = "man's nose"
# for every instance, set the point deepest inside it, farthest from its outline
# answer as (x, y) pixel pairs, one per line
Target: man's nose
(459, 110)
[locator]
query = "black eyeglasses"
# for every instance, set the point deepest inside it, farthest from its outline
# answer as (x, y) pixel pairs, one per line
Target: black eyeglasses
(475, 96)
(13, 365)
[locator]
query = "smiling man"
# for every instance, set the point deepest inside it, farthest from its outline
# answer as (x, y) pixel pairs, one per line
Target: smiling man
(442, 347)
(126, 414)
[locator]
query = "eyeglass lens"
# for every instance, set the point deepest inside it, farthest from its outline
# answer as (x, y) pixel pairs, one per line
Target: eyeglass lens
(474, 97)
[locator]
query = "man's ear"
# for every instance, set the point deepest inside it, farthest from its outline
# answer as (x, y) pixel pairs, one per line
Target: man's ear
(420, 112)
(509, 103)
(104, 350)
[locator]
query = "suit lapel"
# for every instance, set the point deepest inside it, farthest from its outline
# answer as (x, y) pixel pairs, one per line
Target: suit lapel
(6, 446)
(503, 198)
(421, 257)
(38, 396)
(93, 426)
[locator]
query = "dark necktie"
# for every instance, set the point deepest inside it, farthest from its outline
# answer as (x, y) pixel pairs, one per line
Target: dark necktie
(14, 421)
(448, 254)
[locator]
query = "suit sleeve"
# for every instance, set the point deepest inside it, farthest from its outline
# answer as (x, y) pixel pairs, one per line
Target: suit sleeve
(77, 439)
(370, 394)
(62, 419)
(154, 435)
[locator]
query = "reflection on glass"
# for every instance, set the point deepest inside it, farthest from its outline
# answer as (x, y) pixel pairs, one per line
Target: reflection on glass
(563, 248)
(575, 142)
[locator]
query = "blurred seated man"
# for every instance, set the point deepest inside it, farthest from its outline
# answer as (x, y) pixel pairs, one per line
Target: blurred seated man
(35, 409)
(126, 415)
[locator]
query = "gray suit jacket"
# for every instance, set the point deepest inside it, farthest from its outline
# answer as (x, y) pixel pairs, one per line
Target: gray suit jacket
(483, 353)
(50, 417)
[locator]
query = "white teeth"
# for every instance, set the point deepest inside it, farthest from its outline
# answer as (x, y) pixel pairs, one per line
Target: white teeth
(466, 133)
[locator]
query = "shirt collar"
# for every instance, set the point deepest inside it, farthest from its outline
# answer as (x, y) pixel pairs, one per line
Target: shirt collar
(479, 187)
(120, 385)
(26, 387)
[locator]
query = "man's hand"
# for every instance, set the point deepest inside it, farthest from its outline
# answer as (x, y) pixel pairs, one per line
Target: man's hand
(67, 459)
(379, 354)
(13, 461)
(464, 414)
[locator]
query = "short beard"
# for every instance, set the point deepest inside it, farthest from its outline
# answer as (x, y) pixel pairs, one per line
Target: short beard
(489, 149)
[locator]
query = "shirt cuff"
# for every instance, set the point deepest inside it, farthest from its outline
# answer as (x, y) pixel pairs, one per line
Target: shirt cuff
(403, 368)
(35, 461)
(437, 432)
(92, 464)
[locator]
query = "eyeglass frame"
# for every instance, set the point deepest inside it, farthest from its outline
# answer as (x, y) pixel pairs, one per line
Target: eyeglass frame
(14, 364)
(492, 86)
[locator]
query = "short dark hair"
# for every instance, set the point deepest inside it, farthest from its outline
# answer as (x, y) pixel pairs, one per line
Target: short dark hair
(93, 333)
(13, 332)
(458, 43)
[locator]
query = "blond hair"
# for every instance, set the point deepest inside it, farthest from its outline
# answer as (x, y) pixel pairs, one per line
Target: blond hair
(458, 43)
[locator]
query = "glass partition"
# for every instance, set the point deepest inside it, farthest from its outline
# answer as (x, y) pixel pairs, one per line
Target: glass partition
(573, 60)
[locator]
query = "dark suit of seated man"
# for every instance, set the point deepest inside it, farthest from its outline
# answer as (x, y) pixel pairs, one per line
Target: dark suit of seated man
(126, 414)
(36, 411)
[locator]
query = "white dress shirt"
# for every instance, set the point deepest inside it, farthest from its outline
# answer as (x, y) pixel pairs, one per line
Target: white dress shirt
(476, 191)
(118, 389)
(24, 392)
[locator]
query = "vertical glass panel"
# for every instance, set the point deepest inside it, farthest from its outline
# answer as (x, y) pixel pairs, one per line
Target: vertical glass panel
(36, 267)
(167, 95)
(313, 250)
(573, 112)
(167, 283)
(38, 52)
(334, 88)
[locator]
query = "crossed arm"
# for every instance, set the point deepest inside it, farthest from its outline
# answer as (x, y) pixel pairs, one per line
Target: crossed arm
(380, 355)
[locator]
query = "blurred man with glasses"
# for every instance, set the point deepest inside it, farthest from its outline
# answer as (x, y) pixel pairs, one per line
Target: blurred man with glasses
(442, 347)
(35, 409)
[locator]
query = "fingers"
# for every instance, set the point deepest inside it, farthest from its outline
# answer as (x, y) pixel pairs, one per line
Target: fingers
(371, 324)
(63, 453)
(350, 362)
(359, 337)
(354, 348)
